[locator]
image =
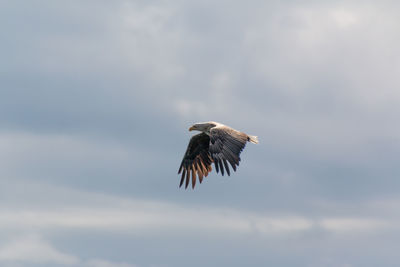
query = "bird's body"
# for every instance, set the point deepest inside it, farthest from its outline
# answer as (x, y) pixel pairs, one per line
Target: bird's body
(218, 144)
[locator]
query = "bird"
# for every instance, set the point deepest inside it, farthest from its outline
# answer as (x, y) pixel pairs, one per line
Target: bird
(218, 144)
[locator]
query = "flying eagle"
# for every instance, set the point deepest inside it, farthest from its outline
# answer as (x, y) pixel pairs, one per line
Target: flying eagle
(218, 144)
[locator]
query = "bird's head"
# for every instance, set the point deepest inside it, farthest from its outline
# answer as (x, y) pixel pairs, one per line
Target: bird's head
(202, 127)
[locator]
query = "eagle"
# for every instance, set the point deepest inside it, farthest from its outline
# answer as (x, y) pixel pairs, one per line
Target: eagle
(218, 144)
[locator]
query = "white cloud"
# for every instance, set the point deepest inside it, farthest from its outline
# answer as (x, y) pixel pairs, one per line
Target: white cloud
(354, 224)
(189, 109)
(150, 46)
(282, 225)
(345, 18)
(74, 211)
(71, 209)
(104, 263)
(33, 248)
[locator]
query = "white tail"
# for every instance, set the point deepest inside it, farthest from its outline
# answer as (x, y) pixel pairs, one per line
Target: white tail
(253, 139)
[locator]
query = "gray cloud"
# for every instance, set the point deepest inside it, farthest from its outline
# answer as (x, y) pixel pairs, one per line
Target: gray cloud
(97, 96)
(75, 219)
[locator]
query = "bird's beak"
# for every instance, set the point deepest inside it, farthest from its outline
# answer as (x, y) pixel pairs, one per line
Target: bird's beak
(191, 128)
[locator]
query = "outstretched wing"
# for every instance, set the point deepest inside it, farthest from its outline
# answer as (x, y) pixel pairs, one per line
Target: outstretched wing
(226, 144)
(197, 159)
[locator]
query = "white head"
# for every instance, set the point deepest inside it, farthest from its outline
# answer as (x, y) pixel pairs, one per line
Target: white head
(202, 126)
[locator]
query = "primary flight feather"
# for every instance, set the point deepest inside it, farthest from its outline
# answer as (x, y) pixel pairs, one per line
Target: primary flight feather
(218, 144)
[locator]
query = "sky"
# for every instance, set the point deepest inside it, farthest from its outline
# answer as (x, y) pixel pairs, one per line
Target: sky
(97, 97)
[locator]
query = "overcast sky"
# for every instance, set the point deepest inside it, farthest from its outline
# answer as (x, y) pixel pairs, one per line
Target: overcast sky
(97, 97)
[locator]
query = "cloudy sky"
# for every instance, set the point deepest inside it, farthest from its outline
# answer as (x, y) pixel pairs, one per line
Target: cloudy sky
(96, 98)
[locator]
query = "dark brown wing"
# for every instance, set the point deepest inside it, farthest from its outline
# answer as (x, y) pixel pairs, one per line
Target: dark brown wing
(226, 144)
(197, 160)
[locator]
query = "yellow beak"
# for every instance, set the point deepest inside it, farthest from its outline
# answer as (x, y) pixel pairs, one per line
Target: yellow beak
(191, 128)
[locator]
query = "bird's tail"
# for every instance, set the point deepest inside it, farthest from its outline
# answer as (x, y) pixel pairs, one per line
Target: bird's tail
(252, 138)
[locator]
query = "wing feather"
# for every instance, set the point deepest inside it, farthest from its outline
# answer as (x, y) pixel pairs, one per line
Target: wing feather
(187, 177)
(226, 167)
(193, 177)
(216, 162)
(197, 160)
(182, 178)
(226, 144)
(220, 164)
